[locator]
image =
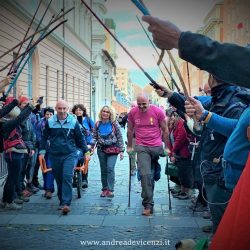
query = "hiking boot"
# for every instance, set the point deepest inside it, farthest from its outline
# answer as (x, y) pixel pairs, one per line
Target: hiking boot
(18, 201)
(206, 215)
(13, 206)
(2, 204)
(103, 193)
(133, 172)
(84, 184)
(65, 210)
(60, 207)
(175, 194)
(26, 193)
(48, 195)
(23, 198)
(183, 196)
(109, 194)
(147, 212)
(31, 188)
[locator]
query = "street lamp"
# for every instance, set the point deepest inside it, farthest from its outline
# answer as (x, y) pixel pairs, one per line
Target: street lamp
(111, 84)
(106, 73)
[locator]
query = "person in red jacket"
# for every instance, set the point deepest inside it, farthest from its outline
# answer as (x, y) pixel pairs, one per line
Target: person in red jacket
(179, 154)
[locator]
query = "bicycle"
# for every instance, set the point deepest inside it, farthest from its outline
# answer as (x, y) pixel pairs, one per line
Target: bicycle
(79, 170)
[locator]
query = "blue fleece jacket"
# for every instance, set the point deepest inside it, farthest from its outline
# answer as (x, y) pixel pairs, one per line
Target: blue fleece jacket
(237, 147)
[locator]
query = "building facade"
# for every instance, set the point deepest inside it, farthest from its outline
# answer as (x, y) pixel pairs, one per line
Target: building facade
(60, 66)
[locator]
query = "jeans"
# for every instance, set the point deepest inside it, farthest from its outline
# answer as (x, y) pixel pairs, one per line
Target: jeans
(221, 196)
(62, 167)
(145, 155)
(14, 164)
(107, 164)
(48, 178)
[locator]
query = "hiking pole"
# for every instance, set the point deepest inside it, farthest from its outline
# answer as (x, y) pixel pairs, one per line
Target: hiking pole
(129, 184)
(153, 83)
(31, 22)
(157, 52)
(169, 197)
(35, 33)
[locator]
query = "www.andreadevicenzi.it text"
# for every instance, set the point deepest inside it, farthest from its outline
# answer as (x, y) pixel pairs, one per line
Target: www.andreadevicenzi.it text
(125, 242)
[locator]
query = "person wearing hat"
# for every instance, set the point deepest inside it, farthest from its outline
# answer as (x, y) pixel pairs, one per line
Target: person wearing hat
(14, 150)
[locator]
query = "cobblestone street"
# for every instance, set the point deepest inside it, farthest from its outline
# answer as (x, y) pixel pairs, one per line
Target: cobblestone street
(94, 220)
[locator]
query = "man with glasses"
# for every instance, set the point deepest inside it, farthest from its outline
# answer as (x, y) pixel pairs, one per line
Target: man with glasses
(148, 123)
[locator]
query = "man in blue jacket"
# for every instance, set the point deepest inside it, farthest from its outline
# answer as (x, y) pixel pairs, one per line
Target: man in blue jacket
(66, 138)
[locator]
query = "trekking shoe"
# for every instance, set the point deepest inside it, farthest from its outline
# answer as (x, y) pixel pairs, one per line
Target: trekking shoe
(109, 194)
(60, 207)
(48, 195)
(84, 184)
(147, 212)
(206, 215)
(31, 188)
(183, 196)
(2, 204)
(65, 210)
(12, 206)
(18, 201)
(26, 193)
(133, 172)
(176, 194)
(23, 198)
(103, 193)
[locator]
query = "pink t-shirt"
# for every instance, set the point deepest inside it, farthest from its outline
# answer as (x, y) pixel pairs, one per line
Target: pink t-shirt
(147, 125)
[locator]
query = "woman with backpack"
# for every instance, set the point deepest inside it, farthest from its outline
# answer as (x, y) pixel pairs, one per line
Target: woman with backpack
(108, 136)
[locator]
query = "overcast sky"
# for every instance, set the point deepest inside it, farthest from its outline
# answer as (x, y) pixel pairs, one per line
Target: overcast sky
(186, 14)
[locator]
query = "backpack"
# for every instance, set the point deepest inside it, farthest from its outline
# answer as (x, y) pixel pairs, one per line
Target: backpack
(106, 140)
(14, 140)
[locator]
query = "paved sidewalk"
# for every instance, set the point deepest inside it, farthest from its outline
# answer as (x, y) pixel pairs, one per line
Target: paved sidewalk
(39, 225)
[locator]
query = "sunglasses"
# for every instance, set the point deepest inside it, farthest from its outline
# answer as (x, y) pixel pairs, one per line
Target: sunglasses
(105, 111)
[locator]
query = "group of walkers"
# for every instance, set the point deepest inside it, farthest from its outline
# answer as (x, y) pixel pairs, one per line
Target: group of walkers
(217, 126)
(31, 135)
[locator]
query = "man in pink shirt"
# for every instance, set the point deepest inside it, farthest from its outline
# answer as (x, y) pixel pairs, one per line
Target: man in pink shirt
(149, 124)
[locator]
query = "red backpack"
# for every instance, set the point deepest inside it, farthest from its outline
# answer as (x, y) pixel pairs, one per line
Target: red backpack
(14, 140)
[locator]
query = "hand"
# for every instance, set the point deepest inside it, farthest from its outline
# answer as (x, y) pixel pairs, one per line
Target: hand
(162, 92)
(6, 81)
(121, 156)
(165, 34)
(194, 107)
(32, 152)
(130, 150)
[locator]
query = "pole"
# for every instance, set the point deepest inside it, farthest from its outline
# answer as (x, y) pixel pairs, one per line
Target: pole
(26, 35)
(169, 73)
(169, 197)
(129, 185)
(152, 81)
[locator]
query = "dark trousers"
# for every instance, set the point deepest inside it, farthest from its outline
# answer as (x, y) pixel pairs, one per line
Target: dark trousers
(14, 164)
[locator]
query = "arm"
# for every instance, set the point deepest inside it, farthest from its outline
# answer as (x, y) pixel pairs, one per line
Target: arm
(203, 52)
(130, 133)
(8, 126)
(80, 139)
(222, 125)
(213, 56)
(165, 132)
(44, 138)
(119, 136)
(6, 109)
